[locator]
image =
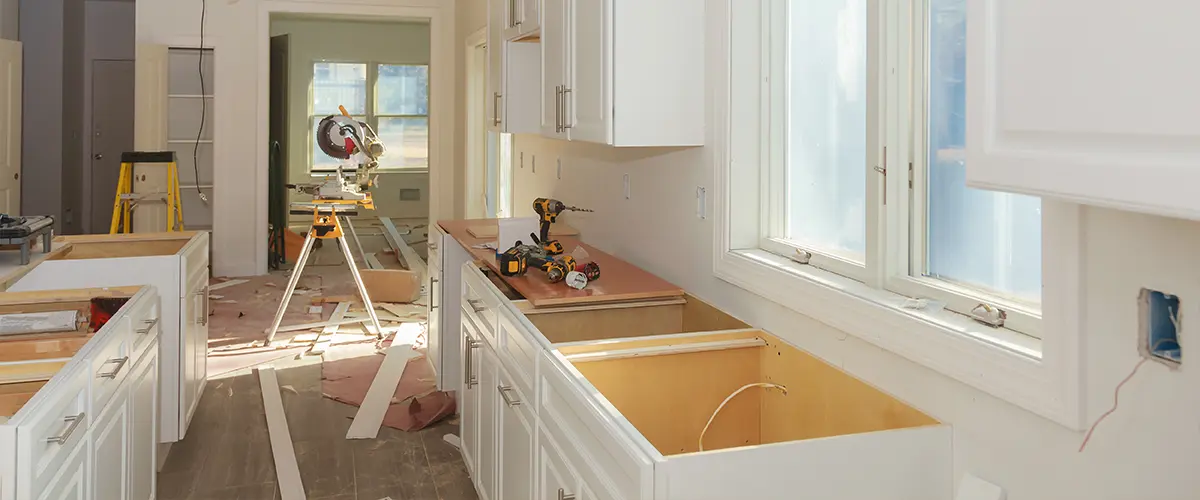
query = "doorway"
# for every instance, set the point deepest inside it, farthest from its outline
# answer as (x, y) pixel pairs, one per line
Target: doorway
(112, 134)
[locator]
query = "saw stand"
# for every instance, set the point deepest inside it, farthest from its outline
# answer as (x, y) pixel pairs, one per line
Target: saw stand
(327, 224)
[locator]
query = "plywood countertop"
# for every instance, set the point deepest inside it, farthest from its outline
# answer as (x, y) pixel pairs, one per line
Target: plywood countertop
(619, 280)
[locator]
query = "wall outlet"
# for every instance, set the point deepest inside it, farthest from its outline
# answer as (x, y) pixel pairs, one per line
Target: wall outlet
(1160, 325)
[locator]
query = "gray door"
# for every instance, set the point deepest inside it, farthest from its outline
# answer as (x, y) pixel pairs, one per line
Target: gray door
(112, 129)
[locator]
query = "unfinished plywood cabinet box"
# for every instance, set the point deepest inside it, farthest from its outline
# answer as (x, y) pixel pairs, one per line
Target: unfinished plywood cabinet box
(176, 264)
(88, 429)
(609, 401)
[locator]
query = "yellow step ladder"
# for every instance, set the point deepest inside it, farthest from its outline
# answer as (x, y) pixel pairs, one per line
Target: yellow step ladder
(126, 200)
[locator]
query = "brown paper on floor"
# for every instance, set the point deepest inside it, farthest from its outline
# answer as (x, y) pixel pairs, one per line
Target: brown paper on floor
(416, 403)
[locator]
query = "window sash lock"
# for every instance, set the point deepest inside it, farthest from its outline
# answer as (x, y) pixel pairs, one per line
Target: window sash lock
(801, 256)
(989, 315)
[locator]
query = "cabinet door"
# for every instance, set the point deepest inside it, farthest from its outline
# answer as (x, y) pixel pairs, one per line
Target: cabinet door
(512, 19)
(468, 398)
(516, 426)
(1073, 99)
(497, 16)
(143, 428)
(71, 481)
(190, 329)
(530, 16)
(557, 481)
(433, 326)
(110, 448)
(489, 407)
(554, 53)
(588, 113)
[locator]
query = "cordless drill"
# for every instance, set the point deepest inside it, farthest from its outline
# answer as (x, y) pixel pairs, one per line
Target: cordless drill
(516, 261)
(548, 210)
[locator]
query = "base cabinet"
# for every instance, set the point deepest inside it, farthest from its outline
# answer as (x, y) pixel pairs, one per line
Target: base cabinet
(516, 425)
(71, 482)
(110, 449)
(468, 401)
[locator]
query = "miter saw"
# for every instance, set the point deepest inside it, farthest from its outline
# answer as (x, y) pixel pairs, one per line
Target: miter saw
(358, 148)
(336, 199)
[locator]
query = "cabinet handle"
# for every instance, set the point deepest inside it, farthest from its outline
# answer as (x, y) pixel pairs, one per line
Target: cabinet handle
(518, 20)
(557, 109)
(73, 423)
(472, 344)
(474, 303)
(495, 108)
(433, 245)
(562, 495)
(566, 124)
(203, 293)
(120, 364)
(149, 325)
(504, 390)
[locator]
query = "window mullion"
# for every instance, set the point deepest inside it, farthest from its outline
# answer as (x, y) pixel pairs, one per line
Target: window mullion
(880, 164)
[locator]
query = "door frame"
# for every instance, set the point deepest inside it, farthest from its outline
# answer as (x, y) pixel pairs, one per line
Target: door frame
(475, 174)
(442, 116)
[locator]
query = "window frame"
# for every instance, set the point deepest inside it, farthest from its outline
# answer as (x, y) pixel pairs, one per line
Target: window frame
(371, 106)
(1041, 375)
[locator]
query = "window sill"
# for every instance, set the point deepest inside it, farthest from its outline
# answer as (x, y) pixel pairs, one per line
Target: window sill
(323, 173)
(1001, 362)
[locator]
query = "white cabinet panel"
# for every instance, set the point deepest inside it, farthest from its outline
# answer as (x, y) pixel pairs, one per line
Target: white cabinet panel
(587, 98)
(516, 427)
(71, 482)
(554, 70)
(468, 400)
(497, 17)
(110, 449)
(489, 407)
(557, 481)
(143, 419)
(1091, 108)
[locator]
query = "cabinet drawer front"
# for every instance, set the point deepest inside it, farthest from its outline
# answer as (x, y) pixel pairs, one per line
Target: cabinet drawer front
(518, 352)
(434, 254)
(111, 362)
(48, 434)
(145, 321)
(604, 458)
(194, 258)
(479, 302)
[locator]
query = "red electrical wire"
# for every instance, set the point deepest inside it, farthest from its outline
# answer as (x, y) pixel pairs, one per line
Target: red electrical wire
(1116, 401)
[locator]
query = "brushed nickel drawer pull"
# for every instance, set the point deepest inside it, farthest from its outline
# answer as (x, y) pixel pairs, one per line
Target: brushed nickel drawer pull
(475, 305)
(472, 344)
(562, 495)
(504, 390)
(74, 422)
(149, 325)
(120, 364)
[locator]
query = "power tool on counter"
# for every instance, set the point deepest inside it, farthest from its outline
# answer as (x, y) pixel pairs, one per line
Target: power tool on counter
(517, 260)
(548, 210)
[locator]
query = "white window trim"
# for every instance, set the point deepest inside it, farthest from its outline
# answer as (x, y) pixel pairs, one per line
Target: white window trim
(370, 116)
(1042, 376)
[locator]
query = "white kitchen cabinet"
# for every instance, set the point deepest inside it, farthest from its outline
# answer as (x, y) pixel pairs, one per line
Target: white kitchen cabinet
(110, 449)
(513, 72)
(521, 19)
(516, 426)
(468, 401)
(623, 72)
(1090, 108)
(445, 272)
(68, 432)
(621, 396)
(177, 265)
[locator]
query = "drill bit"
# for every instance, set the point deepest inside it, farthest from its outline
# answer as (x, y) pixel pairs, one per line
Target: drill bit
(577, 209)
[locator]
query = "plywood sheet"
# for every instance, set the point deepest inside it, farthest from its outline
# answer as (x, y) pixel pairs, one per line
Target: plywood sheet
(126, 238)
(619, 280)
(14, 396)
(391, 285)
(31, 347)
(823, 400)
(699, 316)
(669, 398)
(601, 324)
(116, 249)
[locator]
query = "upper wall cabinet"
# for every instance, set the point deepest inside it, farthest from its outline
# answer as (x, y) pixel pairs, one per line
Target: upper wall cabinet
(521, 19)
(1090, 101)
(514, 70)
(623, 72)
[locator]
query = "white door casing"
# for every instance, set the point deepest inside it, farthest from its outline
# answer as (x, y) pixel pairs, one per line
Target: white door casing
(10, 121)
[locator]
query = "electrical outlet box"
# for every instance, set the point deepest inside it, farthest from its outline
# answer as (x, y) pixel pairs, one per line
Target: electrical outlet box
(1160, 323)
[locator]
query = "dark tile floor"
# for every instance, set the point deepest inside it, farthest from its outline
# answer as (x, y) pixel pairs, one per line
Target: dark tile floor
(227, 454)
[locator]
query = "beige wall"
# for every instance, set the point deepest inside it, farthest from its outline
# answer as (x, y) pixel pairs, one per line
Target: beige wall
(316, 40)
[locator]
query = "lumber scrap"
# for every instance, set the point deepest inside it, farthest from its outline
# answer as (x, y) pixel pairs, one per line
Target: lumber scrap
(379, 396)
(392, 285)
(413, 261)
(323, 341)
(373, 261)
(287, 470)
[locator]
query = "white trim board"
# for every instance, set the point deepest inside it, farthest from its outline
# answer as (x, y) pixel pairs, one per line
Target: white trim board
(291, 487)
(379, 396)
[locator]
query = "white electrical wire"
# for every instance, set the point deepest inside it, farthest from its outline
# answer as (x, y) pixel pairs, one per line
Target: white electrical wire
(768, 385)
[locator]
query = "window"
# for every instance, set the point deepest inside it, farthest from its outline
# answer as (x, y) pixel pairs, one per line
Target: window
(840, 194)
(392, 98)
(836, 151)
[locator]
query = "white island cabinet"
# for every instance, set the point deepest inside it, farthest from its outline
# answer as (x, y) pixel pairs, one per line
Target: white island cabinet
(612, 402)
(78, 408)
(176, 264)
(1092, 101)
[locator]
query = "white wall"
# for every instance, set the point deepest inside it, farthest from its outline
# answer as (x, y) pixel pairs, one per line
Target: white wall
(238, 32)
(316, 40)
(1146, 450)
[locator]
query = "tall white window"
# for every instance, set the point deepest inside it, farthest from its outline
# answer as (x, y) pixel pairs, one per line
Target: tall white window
(392, 98)
(863, 119)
